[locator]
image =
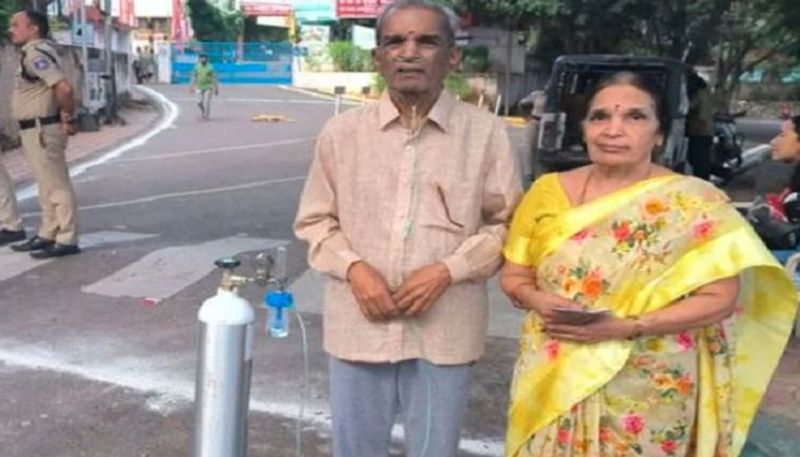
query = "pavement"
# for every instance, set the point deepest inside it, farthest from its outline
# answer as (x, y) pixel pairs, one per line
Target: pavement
(100, 362)
(137, 115)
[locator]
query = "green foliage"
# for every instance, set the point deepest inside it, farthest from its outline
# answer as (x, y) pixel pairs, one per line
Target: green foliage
(736, 35)
(476, 60)
(457, 85)
(212, 24)
(348, 57)
(506, 12)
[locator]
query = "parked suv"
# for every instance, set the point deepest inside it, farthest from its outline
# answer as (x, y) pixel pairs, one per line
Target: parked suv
(557, 142)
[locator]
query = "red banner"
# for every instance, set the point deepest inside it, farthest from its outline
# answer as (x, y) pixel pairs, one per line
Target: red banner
(358, 9)
(177, 22)
(127, 14)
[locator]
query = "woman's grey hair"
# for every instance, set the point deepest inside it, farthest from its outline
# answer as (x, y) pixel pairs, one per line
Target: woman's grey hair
(449, 20)
(642, 82)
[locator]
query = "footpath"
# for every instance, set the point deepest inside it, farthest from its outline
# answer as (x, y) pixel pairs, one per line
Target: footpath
(139, 115)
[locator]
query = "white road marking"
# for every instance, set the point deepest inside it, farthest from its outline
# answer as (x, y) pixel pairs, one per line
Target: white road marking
(16, 263)
(174, 155)
(165, 272)
(310, 93)
(190, 193)
(171, 112)
(175, 390)
(264, 100)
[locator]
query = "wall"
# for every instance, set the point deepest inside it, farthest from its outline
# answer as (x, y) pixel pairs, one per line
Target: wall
(326, 81)
(152, 8)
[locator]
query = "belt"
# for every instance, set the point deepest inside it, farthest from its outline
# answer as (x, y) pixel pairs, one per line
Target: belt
(31, 123)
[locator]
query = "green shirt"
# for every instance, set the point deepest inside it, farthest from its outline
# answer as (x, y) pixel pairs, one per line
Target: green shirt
(204, 76)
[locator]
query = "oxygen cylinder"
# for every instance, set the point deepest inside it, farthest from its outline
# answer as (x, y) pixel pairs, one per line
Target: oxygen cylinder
(225, 361)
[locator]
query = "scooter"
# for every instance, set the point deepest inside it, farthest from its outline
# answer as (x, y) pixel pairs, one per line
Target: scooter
(726, 152)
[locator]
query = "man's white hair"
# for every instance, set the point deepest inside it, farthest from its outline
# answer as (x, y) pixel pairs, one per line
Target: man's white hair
(449, 21)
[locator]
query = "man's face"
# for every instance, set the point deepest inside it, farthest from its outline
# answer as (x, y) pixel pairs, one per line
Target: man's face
(413, 55)
(204, 60)
(21, 30)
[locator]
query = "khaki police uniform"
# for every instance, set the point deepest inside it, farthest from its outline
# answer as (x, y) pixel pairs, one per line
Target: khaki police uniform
(34, 106)
(10, 218)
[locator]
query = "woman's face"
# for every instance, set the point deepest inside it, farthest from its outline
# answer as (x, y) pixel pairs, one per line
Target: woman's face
(621, 127)
(786, 146)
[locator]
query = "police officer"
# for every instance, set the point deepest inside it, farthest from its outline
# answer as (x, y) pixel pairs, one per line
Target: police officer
(43, 106)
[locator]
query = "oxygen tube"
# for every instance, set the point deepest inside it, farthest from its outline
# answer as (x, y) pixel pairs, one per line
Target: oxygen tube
(279, 304)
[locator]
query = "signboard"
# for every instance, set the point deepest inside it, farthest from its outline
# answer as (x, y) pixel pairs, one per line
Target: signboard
(359, 9)
(258, 8)
(153, 9)
(314, 11)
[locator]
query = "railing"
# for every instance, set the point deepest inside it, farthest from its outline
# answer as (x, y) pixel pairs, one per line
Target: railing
(236, 63)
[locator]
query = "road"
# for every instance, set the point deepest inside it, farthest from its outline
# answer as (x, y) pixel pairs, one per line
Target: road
(91, 368)
(89, 365)
(758, 131)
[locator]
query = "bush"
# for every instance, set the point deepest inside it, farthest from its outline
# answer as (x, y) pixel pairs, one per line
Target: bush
(476, 60)
(761, 93)
(457, 84)
(348, 57)
(794, 92)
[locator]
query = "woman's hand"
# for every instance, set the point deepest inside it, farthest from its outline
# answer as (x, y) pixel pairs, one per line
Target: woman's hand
(545, 304)
(519, 284)
(607, 328)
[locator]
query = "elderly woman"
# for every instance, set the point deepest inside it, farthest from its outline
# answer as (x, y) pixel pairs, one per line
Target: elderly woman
(698, 310)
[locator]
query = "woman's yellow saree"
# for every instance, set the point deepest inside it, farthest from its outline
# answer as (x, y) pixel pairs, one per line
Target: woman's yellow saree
(636, 251)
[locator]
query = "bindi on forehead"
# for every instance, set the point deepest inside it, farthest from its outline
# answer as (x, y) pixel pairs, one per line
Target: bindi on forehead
(617, 107)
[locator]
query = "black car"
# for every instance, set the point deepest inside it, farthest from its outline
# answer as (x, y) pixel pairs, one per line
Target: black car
(557, 142)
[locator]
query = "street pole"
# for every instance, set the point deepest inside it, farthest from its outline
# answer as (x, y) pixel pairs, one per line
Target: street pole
(110, 70)
(509, 56)
(85, 57)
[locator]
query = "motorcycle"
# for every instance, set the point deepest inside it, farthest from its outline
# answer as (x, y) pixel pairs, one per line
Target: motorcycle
(726, 152)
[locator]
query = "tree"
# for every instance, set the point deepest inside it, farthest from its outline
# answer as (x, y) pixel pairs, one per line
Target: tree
(212, 24)
(751, 33)
(737, 35)
(569, 26)
(679, 29)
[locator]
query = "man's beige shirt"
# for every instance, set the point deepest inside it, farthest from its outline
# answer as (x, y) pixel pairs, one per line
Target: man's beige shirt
(36, 98)
(399, 201)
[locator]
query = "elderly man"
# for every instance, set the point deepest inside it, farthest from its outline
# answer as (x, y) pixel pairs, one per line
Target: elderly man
(405, 209)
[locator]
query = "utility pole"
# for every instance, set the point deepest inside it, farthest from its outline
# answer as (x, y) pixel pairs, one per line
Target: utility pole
(110, 69)
(509, 56)
(85, 57)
